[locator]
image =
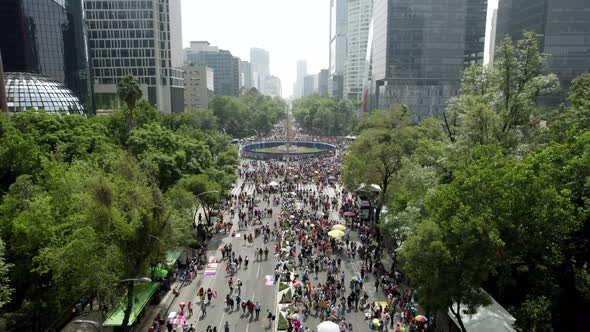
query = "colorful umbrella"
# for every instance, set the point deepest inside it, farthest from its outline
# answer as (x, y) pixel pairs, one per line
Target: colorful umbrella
(336, 233)
(421, 318)
(339, 227)
(297, 284)
(376, 322)
(296, 316)
(221, 248)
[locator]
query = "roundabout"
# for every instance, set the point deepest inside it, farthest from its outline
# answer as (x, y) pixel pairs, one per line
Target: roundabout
(282, 150)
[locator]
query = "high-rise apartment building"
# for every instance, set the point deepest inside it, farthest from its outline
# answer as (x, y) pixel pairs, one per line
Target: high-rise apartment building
(338, 46)
(420, 49)
(136, 37)
(260, 63)
(357, 66)
(198, 87)
(226, 67)
(565, 29)
(301, 72)
(272, 86)
(245, 75)
(47, 37)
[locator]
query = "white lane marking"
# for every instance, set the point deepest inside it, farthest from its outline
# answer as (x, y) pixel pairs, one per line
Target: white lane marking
(258, 272)
(221, 321)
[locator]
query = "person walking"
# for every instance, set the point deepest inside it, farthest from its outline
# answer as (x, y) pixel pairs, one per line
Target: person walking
(270, 317)
(190, 309)
(257, 309)
(203, 309)
(226, 327)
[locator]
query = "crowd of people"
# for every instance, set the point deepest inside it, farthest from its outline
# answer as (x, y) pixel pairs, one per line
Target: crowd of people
(309, 201)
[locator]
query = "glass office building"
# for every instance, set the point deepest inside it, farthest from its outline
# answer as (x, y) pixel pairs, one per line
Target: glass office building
(338, 46)
(26, 91)
(565, 29)
(46, 37)
(420, 49)
(359, 14)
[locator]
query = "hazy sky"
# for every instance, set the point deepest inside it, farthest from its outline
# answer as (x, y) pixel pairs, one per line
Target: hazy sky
(289, 29)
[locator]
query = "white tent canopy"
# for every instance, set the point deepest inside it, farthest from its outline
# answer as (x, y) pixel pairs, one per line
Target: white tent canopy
(328, 326)
(491, 318)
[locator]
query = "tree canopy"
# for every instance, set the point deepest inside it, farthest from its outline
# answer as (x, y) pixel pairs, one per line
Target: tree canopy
(87, 202)
(493, 196)
(325, 116)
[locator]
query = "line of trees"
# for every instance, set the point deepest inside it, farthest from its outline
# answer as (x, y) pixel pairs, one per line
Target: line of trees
(250, 114)
(86, 202)
(326, 116)
(488, 197)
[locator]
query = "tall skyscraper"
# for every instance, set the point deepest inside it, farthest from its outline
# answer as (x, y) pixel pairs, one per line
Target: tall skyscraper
(565, 29)
(226, 67)
(47, 37)
(260, 62)
(245, 75)
(357, 66)
(338, 46)
(136, 37)
(420, 49)
(301, 72)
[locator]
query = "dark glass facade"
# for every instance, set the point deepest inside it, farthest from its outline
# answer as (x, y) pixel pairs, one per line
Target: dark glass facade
(226, 70)
(27, 91)
(46, 37)
(565, 26)
(420, 49)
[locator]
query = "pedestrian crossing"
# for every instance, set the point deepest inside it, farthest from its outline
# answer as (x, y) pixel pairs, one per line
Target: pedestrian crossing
(249, 189)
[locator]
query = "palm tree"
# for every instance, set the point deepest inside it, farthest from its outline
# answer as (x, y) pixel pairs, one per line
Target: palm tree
(129, 91)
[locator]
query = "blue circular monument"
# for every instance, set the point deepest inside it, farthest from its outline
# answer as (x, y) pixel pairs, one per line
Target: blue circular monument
(280, 150)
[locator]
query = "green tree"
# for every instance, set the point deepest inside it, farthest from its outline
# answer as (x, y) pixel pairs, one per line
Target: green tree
(206, 193)
(534, 315)
(498, 104)
(5, 289)
(376, 158)
(129, 91)
(325, 116)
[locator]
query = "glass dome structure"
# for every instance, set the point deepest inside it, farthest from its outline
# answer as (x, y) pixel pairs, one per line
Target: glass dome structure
(32, 91)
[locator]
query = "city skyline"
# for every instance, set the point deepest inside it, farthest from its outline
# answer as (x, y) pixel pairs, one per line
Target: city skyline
(311, 39)
(289, 31)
